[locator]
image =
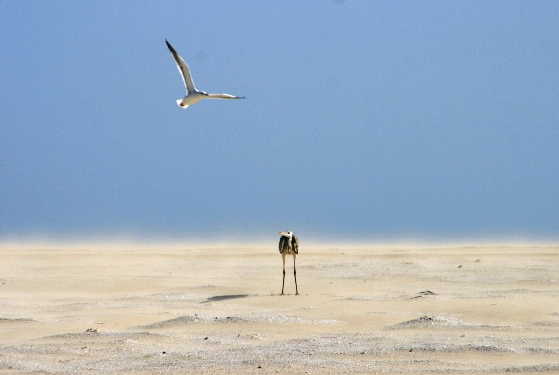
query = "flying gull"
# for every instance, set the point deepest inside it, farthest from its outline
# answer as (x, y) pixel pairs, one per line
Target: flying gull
(193, 96)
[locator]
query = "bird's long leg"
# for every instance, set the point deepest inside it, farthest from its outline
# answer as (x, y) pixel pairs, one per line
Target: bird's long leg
(295, 274)
(283, 283)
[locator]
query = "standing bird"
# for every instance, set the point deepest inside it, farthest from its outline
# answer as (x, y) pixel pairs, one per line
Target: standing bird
(193, 96)
(289, 245)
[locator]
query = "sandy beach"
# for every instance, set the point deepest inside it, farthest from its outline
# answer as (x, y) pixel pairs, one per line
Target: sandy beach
(130, 308)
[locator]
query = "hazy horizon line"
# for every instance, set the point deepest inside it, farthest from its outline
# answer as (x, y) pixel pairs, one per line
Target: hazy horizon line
(222, 241)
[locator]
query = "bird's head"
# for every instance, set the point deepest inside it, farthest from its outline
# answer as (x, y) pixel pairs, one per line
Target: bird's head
(181, 103)
(287, 234)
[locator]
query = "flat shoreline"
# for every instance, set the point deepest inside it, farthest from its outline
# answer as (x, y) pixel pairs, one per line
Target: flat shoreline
(173, 308)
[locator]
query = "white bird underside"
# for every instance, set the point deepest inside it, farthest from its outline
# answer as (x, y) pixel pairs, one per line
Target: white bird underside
(193, 96)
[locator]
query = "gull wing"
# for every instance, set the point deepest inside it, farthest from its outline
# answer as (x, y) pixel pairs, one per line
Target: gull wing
(224, 96)
(183, 69)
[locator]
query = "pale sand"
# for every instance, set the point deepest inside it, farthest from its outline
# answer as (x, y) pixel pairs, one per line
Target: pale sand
(185, 309)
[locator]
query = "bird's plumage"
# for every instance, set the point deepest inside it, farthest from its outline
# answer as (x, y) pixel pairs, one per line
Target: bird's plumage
(193, 96)
(183, 69)
(289, 245)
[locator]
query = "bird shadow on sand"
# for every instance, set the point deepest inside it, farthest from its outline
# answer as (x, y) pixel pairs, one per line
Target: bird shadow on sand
(225, 297)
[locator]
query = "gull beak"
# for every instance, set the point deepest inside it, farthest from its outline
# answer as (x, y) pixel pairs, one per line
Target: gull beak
(283, 234)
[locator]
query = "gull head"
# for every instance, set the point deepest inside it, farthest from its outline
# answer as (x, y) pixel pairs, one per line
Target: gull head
(190, 99)
(181, 103)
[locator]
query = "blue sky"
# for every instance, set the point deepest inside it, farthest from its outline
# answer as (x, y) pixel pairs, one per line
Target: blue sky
(362, 120)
